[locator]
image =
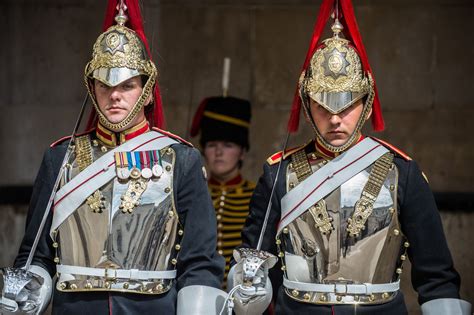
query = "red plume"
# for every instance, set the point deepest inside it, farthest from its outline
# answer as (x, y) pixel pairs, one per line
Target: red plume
(198, 117)
(351, 31)
(135, 23)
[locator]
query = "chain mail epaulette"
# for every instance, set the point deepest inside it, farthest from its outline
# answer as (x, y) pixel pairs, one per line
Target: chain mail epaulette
(173, 136)
(393, 149)
(61, 140)
(277, 157)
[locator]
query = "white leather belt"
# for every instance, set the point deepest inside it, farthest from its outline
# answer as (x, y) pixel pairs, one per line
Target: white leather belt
(110, 273)
(341, 288)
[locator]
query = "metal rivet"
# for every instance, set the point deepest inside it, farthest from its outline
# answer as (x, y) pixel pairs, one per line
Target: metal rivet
(218, 217)
(295, 293)
(339, 298)
(169, 151)
(126, 285)
(180, 232)
(168, 168)
(55, 245)
(171, 213)
(392, 210)
(356, 298)
(406, 244)
(371, 298)
(88, 285)
(396, 232)
(283, 268)
(278, 242)
(107, 284)
(385, 295)
(292, 185)
(103, 149)
(220, 252)
(306, 296)
(167, 190)
(403, 257)
(159, 287)
(392, 188)
(285, 230)
(281, 254)
(56, 260)
(95, 143)
(62, 285)
(399, 270)
(177, 247)
(322, 298)
(73, 286)
(174, 261)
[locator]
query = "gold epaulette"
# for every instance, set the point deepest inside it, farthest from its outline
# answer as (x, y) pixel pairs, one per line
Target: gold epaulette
(172, 136)
(61, 140)
(277, 157)
(393, 149)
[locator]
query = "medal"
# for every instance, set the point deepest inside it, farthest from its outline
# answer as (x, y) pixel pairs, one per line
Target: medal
(123, 173)
(147, 173)
(121, 164)
(145, 162)
(157, 170)
(135, 173)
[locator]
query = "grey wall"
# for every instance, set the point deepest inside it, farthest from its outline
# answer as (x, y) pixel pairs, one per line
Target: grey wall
(421, 53)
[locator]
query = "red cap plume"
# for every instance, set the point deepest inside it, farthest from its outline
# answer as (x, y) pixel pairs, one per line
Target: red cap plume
(351, 31)
(198, 117)
(135, 23)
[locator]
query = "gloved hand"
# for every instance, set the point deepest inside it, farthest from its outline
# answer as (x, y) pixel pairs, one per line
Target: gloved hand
(25, 292)
(249, 278)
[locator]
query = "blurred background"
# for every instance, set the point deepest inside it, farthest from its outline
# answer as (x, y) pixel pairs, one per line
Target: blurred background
(421, 54)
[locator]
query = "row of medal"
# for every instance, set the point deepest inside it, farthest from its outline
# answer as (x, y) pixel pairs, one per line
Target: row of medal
(146, 164)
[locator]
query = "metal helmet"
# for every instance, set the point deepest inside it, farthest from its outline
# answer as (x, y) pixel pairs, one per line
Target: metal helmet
(118, 55)
(335, 80)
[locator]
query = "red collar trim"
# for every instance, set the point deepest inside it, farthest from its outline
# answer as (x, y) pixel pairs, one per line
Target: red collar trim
(110, 138)
(329, 154)
(234, 181)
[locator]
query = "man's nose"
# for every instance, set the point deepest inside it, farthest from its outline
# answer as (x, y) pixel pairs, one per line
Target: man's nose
(115, 94)
(335, 119)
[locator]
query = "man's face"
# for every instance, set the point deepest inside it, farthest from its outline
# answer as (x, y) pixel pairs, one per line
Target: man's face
(336, 129)
(118, 101)
(222, 158)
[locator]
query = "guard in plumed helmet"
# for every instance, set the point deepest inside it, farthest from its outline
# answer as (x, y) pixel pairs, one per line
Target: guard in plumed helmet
(344, 211)
(126, 233)
(224, 123)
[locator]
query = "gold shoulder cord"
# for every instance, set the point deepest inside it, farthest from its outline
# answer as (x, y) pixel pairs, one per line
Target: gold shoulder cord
(364, 206)
(84, 159)
(303, 170)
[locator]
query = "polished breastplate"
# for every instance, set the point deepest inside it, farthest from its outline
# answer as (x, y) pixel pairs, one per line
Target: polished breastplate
(131, 247)
(311, 255)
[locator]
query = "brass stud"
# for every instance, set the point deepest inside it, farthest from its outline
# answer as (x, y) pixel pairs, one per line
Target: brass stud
(56, 260)
(283, 268)
(55, 245)
(180, 232)
(222, 203)
(285, 230)
(103, 149)
(406, 244)
(220, 252)
(325, 161)
(392, 166)
(399, 271)
(126, 285)
(392, 210)
(95, 143)
(177, 247)
(339, 298)
(396, 232)
(292, 185)
(170, 213)
(392, 187)
(222, 197)
(107, 285)
(169, 151)
(313, 156)
(385, 295)
(55, 232)
(62, 285)
(167, 190)
(174, 261)
(322, 298)
(356, 298)
(159, 287)
(168, 168)
(218, 217)
(278, 242)
(88, 285)
(306, 296)
(295, 293)
(371, 298)
(281, 254)
(403, 257)
(73, 286)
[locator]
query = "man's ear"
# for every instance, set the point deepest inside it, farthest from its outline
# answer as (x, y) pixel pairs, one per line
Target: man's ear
(369, 113)
(149, 99)
(243, 152)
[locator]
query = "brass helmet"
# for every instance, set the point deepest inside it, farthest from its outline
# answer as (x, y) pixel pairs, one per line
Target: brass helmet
(335, 80)
(118, 55)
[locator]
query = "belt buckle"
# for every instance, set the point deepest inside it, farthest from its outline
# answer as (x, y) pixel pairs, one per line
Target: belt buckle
(338, 291)
(108, 276)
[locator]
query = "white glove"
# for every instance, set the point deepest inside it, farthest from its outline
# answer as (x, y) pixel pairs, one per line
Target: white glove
(25, 292)
(249, 278)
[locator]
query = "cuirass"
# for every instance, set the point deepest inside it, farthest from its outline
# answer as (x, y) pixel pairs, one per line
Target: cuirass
(311, 256)
(143, 239)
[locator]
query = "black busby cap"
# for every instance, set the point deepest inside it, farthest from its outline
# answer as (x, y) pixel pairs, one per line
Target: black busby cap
(223, 119)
